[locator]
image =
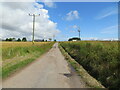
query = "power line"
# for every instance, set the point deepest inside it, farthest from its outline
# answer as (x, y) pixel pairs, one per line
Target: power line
(33, 25)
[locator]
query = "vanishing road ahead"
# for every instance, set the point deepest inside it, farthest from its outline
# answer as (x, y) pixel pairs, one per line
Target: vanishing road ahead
(49, 71)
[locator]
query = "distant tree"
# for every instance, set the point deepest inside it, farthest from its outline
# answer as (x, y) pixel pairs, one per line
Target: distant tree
(70, 39)
(74, 38)
(50, 39)
(10, 39)
(55, 40)
(45, 40)
(42, 40)
(19, 40)
(24, 39)
(7, 39)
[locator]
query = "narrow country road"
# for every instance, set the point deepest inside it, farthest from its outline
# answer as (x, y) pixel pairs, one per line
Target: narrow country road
(49, 71)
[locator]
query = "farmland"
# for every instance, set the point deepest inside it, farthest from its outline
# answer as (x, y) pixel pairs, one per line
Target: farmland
(16, 55)
(100, 59)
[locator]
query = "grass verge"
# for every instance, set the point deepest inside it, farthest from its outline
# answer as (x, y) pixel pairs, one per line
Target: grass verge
(90, 81)
(16, 64)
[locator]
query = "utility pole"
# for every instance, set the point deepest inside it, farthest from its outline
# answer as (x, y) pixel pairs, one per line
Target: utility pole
(33, 25)
(53, 37)
(79, 31)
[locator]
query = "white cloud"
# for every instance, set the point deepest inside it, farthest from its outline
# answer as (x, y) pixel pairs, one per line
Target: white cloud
(107, 39)
(17, 23)
(74, 26)
(89, 38)
(17, 5)
(107, 12)
(72, 15)
(97, 38)
(61, 1)
(38, 5)
(73, 29)
(49, 3)
(110, 30)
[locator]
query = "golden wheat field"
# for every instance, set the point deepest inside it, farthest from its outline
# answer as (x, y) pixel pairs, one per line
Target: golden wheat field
(20, 44)
(13, 49)
(16, 55)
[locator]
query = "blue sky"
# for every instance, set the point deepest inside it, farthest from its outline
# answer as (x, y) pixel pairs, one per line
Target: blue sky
(97, 20)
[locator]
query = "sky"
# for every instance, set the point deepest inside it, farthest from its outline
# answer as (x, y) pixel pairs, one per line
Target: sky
(96, 20)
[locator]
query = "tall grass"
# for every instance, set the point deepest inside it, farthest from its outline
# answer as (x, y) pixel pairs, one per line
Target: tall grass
(18, 55)
(13, 49)
(100, 59)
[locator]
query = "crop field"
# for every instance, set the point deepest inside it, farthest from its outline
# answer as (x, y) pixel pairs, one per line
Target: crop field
(20, 44)
(16, 55)
(99, 58)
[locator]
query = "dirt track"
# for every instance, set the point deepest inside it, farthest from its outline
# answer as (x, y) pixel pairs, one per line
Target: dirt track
(49, 71)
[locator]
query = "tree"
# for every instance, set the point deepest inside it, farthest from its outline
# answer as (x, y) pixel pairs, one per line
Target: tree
(19, 40)
(24, 39)
(10, 39)
(55, 40)
(7, 39)
(42, 40)
(50, 39)
(74, 38)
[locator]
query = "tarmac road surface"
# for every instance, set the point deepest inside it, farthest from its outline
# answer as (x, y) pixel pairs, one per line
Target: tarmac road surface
(49, 71)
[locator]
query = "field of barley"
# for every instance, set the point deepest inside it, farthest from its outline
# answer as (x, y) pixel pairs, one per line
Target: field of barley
(16, 55)
(99, 58)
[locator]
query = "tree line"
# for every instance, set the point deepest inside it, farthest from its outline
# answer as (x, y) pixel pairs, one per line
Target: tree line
(14, 39)
(24, 39)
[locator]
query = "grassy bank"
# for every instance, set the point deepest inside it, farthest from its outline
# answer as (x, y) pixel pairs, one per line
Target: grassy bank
(100, 59)
(16, 55)
(88, 79)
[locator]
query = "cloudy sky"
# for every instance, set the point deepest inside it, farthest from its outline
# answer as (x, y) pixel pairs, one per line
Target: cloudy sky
(62, 19)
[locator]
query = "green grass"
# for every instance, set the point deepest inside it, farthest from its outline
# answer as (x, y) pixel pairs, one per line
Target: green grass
(15, 49)
(12, 60)
(100, 59)
(88, 79)
(9, 70)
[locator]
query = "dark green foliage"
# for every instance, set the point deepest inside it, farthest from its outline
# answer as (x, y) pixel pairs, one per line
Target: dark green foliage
(74, 38)
(100, 59)
(19, 40)
(10, 39)
(7, 39)
(24, 39)
(43, 40)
